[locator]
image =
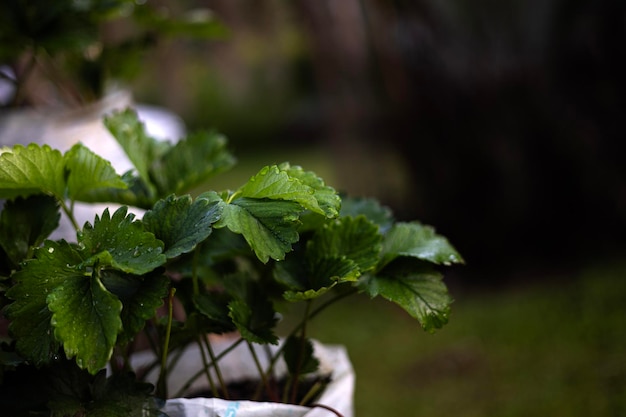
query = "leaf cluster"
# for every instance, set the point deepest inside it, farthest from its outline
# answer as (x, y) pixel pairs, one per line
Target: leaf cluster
(225, 260)
(64, 38)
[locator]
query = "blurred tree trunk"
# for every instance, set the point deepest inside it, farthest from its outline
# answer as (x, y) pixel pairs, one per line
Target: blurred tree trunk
(341, 54)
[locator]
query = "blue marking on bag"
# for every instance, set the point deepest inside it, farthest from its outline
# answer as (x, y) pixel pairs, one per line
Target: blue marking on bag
(231, 411)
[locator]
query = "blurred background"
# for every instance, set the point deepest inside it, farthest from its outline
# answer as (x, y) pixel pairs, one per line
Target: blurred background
(501, 123)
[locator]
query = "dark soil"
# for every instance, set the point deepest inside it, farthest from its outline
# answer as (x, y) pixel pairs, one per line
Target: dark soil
(247, 390)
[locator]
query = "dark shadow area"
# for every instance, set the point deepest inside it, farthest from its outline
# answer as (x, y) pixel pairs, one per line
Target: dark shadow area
(500, 123)
(507, 115)
(521, 166)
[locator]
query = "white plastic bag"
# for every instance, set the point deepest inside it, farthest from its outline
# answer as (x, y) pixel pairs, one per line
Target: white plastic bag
(239, 365)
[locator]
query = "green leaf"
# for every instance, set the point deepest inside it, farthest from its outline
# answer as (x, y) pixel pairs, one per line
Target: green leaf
(53, 265)
(25, 223)
(165, 168)
(309, 280)
(297, 296)
(299, 356)
(118, 395)
(269, 227)
(422, 294)
(190, 162)
(88, 173)
(214, 307)
(328, 201)
(293, 273)
(251, 310)
(141, 149)
(32, 170)
(418, 241)
(255, 322)
(125, 396)
(69, 387)
(274, 183)
(140, 297)
(223, 245)
(357, 239)
(122, 243)
(339, 252)
(267, 209)
(86, 318)
(136, 193)
(182, 223)
(370, 208)
(325, 272)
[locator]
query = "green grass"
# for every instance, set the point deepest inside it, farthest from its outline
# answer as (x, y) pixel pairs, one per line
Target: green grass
(553, 349)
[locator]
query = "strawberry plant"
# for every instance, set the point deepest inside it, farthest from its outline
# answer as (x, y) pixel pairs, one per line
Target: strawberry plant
(184, 264)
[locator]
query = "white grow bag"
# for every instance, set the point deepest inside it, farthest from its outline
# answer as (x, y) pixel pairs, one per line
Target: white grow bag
(238, 365)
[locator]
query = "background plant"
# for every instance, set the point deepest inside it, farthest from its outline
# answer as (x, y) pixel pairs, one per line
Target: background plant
(69, 52)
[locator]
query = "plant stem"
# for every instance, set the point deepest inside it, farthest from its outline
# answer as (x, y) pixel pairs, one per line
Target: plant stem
(69, 212)
(296, 374)
(201, 371)
(218, 371)
(206, 368)
(311, 393)
(162, 382)
(328, 303)
(264, 380)
(314, 313)
(194, 272)
(325, 407)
